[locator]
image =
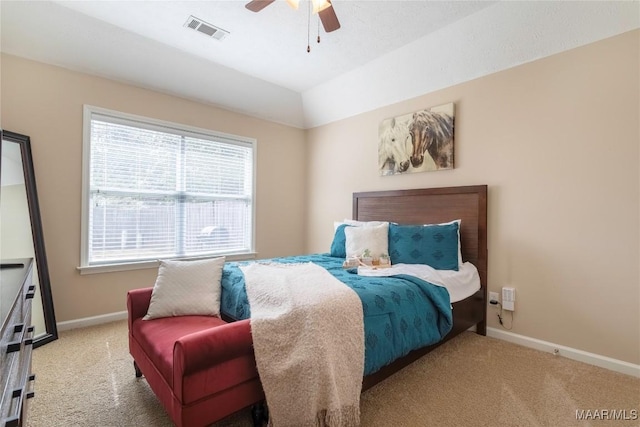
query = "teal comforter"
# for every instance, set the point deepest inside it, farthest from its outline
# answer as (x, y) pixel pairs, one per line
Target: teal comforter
(401, 313)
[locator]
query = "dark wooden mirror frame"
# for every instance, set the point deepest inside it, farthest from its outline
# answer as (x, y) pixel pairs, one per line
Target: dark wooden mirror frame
(51, 329)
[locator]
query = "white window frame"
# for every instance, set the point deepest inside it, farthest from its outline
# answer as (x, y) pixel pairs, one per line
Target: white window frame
(149, 123)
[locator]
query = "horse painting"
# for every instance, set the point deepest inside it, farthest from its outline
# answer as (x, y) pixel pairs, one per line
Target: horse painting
(418, 142)
(433, 133)
(394, 147)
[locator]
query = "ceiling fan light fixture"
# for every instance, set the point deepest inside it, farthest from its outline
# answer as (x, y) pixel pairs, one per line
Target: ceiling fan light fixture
(320, 5)
(323, 8)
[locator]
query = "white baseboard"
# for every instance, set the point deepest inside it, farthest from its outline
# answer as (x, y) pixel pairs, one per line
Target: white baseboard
(568, 352)
(91, 321)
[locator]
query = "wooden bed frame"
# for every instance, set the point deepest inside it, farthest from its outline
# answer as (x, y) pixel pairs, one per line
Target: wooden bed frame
(431, 206)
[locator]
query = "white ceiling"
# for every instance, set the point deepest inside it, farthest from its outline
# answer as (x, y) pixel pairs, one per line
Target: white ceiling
(262, 68)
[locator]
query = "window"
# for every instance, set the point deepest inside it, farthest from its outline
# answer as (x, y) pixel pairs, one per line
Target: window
(155, 190)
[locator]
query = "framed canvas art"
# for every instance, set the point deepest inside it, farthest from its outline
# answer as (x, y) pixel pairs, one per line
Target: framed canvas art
(417, 142)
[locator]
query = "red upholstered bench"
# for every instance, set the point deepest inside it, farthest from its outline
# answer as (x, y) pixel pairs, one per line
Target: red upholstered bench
(201, 368)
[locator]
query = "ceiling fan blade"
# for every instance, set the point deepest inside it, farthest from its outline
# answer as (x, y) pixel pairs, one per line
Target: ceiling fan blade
(258, 5)
(329, 19)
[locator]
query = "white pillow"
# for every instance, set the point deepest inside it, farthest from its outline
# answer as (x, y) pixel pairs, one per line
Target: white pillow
(374, 238)
(354, 223)
(185, 288)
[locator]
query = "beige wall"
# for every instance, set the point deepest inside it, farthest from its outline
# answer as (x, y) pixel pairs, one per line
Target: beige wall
(557, 142)
(45, 102)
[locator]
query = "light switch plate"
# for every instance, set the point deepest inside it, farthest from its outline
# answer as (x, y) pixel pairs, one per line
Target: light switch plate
(508, 298)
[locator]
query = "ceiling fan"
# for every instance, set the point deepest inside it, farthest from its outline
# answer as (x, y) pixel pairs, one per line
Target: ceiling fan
(324, 8)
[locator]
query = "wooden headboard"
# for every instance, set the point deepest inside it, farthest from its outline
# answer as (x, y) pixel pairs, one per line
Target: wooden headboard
(431, 206)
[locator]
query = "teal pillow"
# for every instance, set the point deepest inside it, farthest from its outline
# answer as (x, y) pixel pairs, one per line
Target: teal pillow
(338, 246)
(434, 245)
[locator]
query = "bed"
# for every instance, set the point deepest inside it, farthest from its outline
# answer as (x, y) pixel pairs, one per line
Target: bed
(419, 206)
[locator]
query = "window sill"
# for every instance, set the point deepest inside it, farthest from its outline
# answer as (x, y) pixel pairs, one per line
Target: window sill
(108, 268)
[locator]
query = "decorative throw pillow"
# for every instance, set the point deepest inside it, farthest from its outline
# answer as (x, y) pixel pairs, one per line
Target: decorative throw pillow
(359, 239)
(435, 245)
(459, 222)
(356, 223)
(185, 288)
(339, 241)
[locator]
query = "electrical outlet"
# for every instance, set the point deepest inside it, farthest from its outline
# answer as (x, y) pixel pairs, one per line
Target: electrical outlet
(494, 296)
(508, 298)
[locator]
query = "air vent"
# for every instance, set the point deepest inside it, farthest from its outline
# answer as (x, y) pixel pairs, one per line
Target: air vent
(204, 28)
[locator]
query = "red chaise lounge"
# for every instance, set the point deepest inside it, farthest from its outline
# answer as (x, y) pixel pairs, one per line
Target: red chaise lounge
(201, 368)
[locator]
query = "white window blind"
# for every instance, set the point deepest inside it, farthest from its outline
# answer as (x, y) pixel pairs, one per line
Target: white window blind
(158, 191)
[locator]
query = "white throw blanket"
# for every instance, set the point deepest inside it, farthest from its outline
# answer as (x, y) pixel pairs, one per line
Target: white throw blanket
(308, 337)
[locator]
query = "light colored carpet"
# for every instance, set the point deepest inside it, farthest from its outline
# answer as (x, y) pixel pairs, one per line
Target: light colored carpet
(86, 378)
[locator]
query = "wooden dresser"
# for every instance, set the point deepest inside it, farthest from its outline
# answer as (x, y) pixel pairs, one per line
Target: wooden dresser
(16, 340)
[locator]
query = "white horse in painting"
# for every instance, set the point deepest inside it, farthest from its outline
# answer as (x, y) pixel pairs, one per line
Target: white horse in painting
(394, 148)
